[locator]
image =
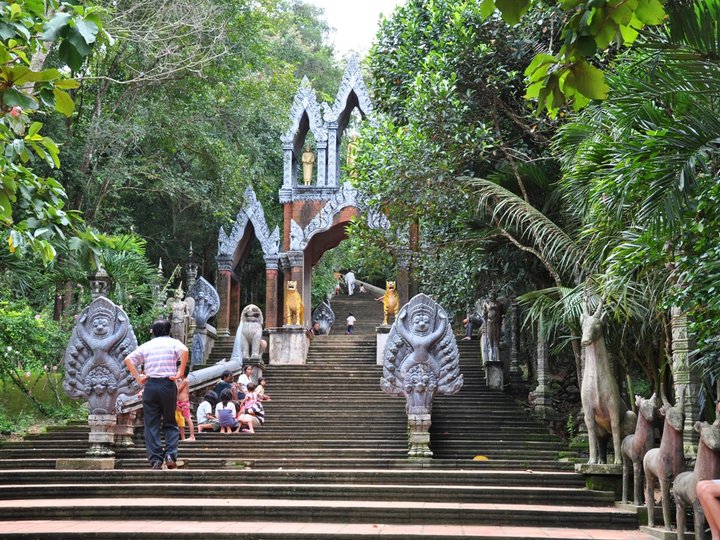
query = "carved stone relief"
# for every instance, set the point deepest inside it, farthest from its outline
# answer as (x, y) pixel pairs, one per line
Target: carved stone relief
(252, 212)
(344, 197)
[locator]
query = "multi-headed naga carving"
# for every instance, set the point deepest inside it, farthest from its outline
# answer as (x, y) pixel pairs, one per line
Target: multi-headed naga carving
(324, 315)
(207, 304)
(94, 368)
(421, 360)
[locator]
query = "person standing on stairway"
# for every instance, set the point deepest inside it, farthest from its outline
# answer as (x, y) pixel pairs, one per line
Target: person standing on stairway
(351, 320)
(159, 359)
(350, 281)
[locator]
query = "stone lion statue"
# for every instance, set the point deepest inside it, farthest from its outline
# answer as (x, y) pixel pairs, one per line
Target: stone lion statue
(248, 338)
(294, 309)
(391, 301)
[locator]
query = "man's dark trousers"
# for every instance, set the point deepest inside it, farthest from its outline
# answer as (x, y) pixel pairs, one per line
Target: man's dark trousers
(159, 403)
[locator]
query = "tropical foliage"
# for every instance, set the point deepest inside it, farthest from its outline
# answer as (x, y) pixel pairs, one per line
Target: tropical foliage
(612, 203)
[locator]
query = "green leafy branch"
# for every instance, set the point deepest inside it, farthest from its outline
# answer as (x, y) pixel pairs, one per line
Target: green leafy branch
(558, 80)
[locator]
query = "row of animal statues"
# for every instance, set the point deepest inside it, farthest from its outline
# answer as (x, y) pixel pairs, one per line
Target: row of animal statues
(606, 416)
(665, 465)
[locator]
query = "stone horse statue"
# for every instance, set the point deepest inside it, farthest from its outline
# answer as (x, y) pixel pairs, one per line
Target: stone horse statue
(635, 446)
(707, 467)
(665, 463)
(605, 413)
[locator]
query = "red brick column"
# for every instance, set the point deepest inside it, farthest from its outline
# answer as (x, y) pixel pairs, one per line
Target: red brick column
(271, 293)
(222, 319)
(234, 305)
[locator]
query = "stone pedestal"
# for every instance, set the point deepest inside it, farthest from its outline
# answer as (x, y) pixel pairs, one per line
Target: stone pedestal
(288, 345)
(102, 436)
(602, 477)
(419, 435)
(381, 337)
(124, 429)
(494, 375)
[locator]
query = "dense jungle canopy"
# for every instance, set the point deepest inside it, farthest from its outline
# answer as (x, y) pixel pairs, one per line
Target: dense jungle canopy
(555, 152)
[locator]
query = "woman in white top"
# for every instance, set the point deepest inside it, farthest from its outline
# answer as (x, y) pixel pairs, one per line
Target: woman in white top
(245, 379)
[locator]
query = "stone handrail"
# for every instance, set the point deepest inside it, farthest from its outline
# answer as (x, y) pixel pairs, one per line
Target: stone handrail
(199, 380)
(372, 289)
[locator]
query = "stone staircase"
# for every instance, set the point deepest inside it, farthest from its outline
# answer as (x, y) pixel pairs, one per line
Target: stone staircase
(367, 311)
(330, 462)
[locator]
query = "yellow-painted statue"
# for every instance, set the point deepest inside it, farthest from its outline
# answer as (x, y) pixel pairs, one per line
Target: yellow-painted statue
(391, 300)
(294, 309)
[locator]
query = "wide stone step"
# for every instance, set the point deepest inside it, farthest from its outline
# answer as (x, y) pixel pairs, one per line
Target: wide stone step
(427, 476)
(259, 530)
(400, 511)
(314, 462)
(332, 491)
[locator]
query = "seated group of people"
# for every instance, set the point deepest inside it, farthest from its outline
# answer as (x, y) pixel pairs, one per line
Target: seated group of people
(233, 406)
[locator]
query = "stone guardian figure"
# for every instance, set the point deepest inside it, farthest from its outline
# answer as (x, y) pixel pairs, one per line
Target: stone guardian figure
(181, 309)
(421, 360)
(248, 338)
(94, 368)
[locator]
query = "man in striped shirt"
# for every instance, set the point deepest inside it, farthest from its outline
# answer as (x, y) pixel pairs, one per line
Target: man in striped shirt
(158, 360)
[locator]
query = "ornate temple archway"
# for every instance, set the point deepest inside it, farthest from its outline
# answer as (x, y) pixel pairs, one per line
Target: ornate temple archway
(315, 210)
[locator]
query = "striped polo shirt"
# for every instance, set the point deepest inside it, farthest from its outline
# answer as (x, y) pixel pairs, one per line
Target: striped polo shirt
(159, 356)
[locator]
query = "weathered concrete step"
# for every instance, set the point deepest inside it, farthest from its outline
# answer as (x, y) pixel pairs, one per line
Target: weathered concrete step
(324, 463)
(240, 453)
(427, 476)
(257, 530)
(337, 492)
(406, 512)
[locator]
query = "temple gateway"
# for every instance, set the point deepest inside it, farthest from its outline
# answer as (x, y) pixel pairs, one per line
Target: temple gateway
(318, 202)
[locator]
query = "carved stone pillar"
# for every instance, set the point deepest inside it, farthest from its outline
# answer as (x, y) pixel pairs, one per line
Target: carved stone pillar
(685, 377)
(321, 163)
(403, 275)
(297, 266)
(222, 319)
(333, 160)
(271, 292)
(288, 176)
(514, 338)
(234, 305)
(542, 403)
(191, 270)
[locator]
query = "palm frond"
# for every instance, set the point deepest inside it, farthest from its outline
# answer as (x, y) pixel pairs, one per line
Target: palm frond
(530, 225)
